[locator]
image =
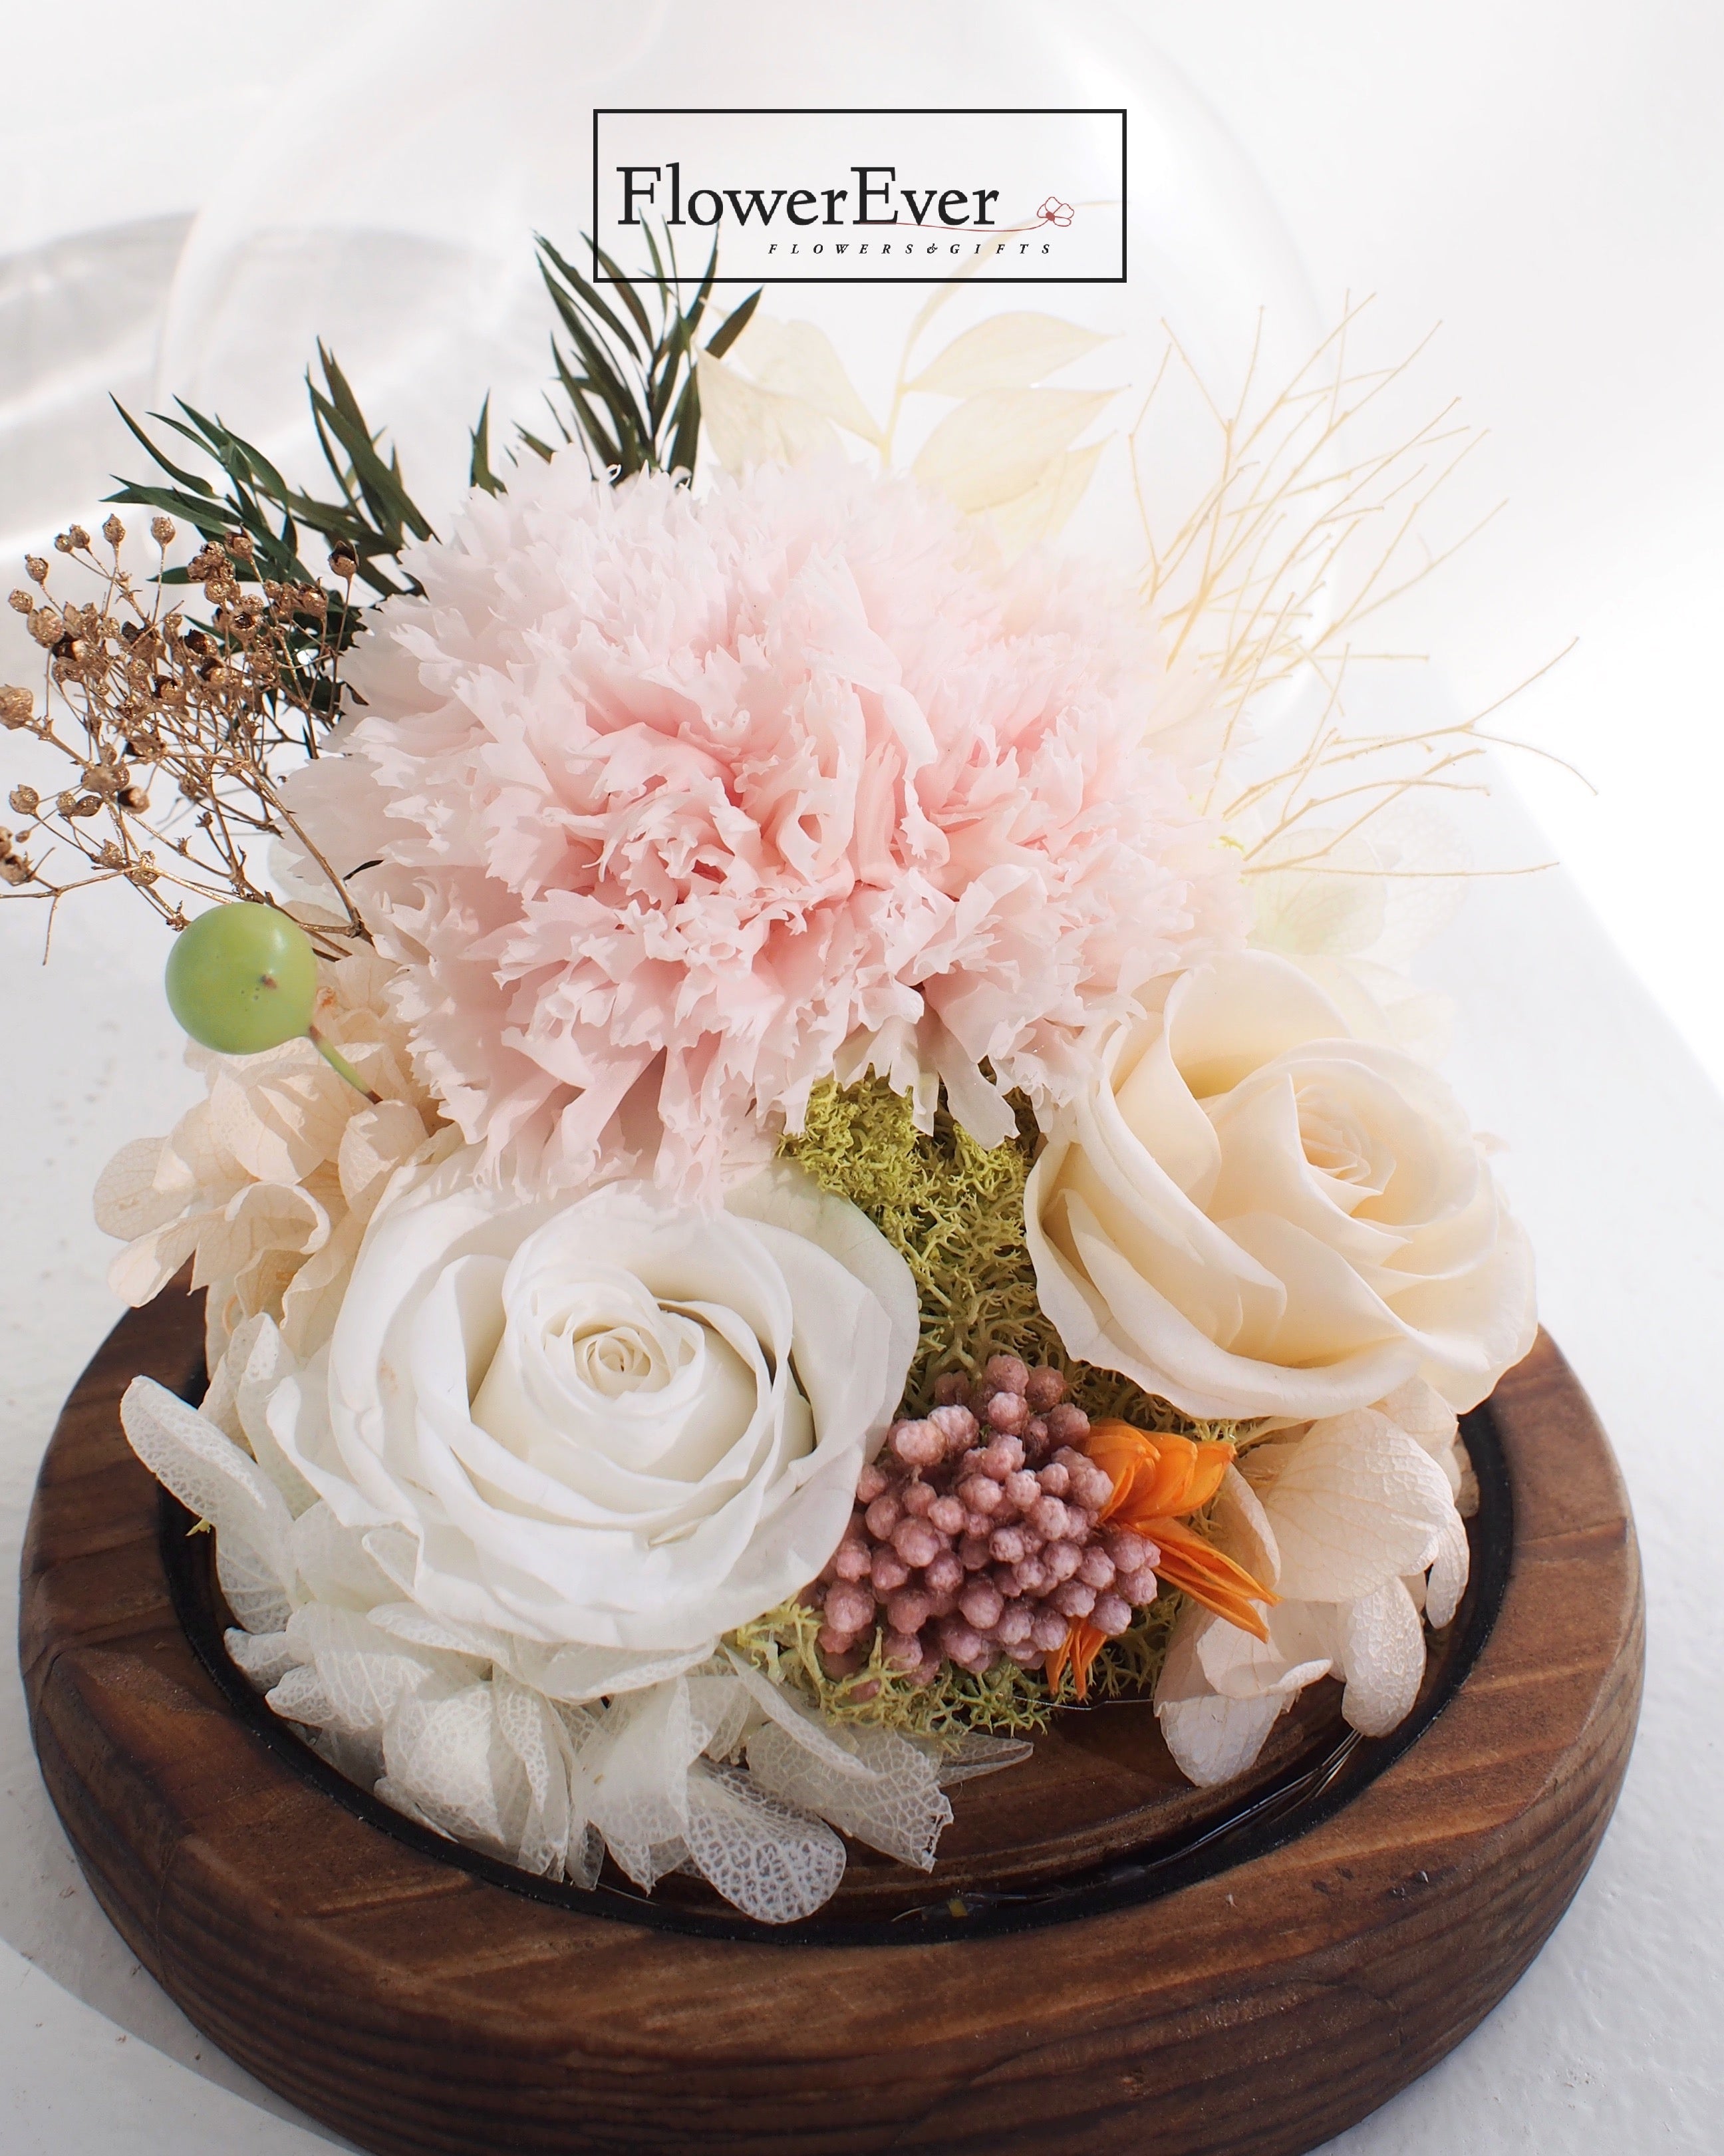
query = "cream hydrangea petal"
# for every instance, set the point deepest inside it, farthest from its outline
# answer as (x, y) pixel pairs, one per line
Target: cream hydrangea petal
(145, 1265)
(1211, 1738)
(1301, 1648)
(1244, 1531)
(132, 1196)
(1449, 1572)
(1382, 1657)
(1357, 1504)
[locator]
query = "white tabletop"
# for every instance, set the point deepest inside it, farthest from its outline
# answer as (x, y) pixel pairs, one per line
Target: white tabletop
(1548, 178)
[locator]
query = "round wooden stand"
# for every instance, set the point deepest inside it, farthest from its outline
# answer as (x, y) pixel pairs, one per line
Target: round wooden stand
(1103, 1960)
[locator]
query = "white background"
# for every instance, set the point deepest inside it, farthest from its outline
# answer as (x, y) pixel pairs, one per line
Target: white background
(1548, 181)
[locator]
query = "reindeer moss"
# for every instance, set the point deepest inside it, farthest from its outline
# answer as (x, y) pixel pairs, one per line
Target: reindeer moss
(955, 1209)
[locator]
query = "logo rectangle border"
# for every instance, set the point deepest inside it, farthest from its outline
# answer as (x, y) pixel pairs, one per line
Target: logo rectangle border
(852, 111)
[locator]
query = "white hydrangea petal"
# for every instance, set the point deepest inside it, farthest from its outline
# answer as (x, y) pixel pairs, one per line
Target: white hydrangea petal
(894, 1803)
(1299, 1648)
(446, 1758)
(209, 1475)
(537, 1736)
(1382, 1656)
(264, 1657)
(638, 1768)
(1244, 1531)
(1211, 1738)
(767, 1858)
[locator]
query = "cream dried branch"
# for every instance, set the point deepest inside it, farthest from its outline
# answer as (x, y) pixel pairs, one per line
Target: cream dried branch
(180, 733)
(1302, 537)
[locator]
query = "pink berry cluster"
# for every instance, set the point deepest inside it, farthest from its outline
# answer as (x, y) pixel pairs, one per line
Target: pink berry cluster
(977, 1534)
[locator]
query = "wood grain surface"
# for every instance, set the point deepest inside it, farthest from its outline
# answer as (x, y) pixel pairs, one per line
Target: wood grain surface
(1257, 1995)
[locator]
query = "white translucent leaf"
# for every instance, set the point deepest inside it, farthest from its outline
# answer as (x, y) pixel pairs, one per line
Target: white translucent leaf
(251, 1585)
(1042, 513)
(997, 444)
(1006, 351)
(448, 1760)
(896, 1805)
(332, 1564)
(264, 1657)
(767, 1858)
(637, 1770)
(970, 1753)
(744, 424)
(795, 359)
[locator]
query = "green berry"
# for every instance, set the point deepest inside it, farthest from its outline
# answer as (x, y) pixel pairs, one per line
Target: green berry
(242, 978)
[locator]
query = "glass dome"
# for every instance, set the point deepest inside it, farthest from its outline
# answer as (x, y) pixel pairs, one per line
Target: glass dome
(393, 219)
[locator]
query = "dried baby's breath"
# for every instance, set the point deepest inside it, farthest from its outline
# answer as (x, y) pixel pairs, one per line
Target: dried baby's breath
(178, 733)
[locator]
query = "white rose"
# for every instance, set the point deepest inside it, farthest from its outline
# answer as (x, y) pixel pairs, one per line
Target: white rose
(1251, 1212)
(615, 1425)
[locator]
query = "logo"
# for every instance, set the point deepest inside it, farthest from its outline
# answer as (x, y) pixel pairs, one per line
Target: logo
(885, 197)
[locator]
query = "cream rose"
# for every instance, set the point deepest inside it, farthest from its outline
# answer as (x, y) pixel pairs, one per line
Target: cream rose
(1251, 1213)
(615, 1425)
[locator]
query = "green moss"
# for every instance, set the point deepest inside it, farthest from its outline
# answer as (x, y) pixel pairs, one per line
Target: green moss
(1009, 1701)
(955, 1209)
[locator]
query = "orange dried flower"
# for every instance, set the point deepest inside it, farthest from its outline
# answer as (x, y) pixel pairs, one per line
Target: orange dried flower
(1158, 1478)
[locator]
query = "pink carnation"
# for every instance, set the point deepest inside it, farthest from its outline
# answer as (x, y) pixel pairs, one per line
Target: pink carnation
(683, 803)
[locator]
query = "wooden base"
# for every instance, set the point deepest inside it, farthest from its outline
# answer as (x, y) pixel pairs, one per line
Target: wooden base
(1103, 1960)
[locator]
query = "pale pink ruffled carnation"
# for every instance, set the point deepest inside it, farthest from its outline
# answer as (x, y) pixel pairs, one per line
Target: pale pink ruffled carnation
(684, 803)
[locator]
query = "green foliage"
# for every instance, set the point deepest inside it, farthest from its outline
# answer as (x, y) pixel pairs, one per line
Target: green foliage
(368, 521)
(632, 394)
(629, 397)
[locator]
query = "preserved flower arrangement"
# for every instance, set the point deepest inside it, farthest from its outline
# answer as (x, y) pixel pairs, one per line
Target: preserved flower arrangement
(782, 1192)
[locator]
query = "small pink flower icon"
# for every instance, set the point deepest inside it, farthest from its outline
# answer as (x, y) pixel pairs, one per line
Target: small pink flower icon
(1053, 211)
